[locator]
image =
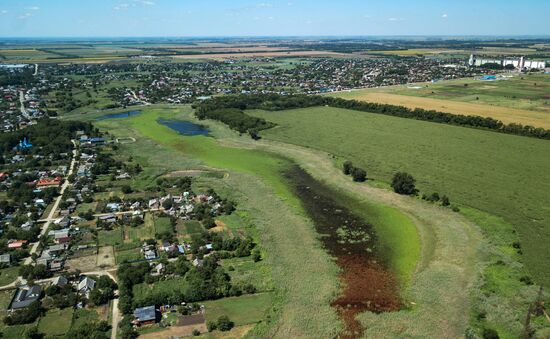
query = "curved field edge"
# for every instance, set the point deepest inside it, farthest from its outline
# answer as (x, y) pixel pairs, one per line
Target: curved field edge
(501, 174)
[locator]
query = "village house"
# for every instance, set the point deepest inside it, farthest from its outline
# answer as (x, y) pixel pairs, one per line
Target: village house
(60, 281)
(24, 296)
(85, 285)
(49, 182)
(5, 259)
(145, 315)
(14, 244)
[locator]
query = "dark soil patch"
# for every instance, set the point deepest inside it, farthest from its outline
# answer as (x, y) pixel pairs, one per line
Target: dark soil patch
(191, 320)
(367, 285)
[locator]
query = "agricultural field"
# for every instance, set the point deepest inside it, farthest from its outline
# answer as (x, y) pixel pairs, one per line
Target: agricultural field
(459, 162)
(520, 99)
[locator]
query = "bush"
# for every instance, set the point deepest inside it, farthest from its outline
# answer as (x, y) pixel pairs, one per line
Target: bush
(196, 333)
(211, 326)
(256, 255)
(224, 324)
(489, 333)
(445, 201)
(358, 174)
(347, 167)
(404, 183)
(126, 189)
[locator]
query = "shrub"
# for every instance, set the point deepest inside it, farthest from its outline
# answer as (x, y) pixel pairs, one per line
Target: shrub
(224, 324)
(256, 255)
(404, 183)
(358, 174)
(489, 333)
(347, 167)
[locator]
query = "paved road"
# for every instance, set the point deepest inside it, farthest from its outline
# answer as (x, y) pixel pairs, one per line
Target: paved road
(50, 218)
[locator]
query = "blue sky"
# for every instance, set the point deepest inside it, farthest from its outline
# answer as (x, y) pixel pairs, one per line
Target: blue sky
(99, 18)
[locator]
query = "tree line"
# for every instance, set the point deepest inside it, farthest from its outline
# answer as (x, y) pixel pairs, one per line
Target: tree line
(230, 110)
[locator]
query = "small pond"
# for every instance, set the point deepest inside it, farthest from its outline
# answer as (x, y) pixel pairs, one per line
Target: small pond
(120, 115)
(186, 128)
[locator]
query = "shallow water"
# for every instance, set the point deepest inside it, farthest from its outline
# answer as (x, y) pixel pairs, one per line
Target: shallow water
(121, 115)
(186, 128)
(367, 284)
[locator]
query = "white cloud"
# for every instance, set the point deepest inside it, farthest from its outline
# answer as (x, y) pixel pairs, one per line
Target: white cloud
(145, 2)
(444, 16)
(33, 8)
(24, 16)
(396, 19)
(264, 5)
(2, 12)
(121, 7)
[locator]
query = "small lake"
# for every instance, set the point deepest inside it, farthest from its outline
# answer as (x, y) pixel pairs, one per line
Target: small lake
(186, 128)
(120, 115)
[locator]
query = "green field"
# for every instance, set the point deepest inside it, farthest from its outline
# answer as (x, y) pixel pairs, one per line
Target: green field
(8, 275)
(110, 238)
(501, 174)
(163, 225)
(56, 322)
(247, 309)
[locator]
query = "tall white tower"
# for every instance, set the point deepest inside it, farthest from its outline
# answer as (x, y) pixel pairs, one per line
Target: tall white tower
(471, 60)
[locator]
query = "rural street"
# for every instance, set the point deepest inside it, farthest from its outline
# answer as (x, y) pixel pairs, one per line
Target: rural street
(50, 218)
(22, 104)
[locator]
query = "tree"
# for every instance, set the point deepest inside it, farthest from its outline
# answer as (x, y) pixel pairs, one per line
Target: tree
(358, 174)
(347, 167)
(126, 189)
(403, 183)
(224, 324)
(33, 333)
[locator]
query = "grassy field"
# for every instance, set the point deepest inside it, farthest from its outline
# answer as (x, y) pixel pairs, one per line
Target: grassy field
(56, 322)
(8, 275)
(521, 99)
(501, 174)
(242, 310)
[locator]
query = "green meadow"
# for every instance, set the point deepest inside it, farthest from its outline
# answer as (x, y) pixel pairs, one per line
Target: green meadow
(500, 174)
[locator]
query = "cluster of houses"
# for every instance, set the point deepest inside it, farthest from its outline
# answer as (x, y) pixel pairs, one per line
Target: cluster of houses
(185, 82)
(27, 294)
(20, 106)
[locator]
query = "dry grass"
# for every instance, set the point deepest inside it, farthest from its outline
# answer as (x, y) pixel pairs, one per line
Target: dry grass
(84, 264)
(505, 114)
(106, 256)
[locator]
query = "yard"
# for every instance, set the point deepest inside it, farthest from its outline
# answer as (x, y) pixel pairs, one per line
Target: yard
(8, 275)
(243, 310)
(56, 322)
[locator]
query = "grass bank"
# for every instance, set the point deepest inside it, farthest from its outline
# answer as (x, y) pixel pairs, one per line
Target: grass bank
(504, 175)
